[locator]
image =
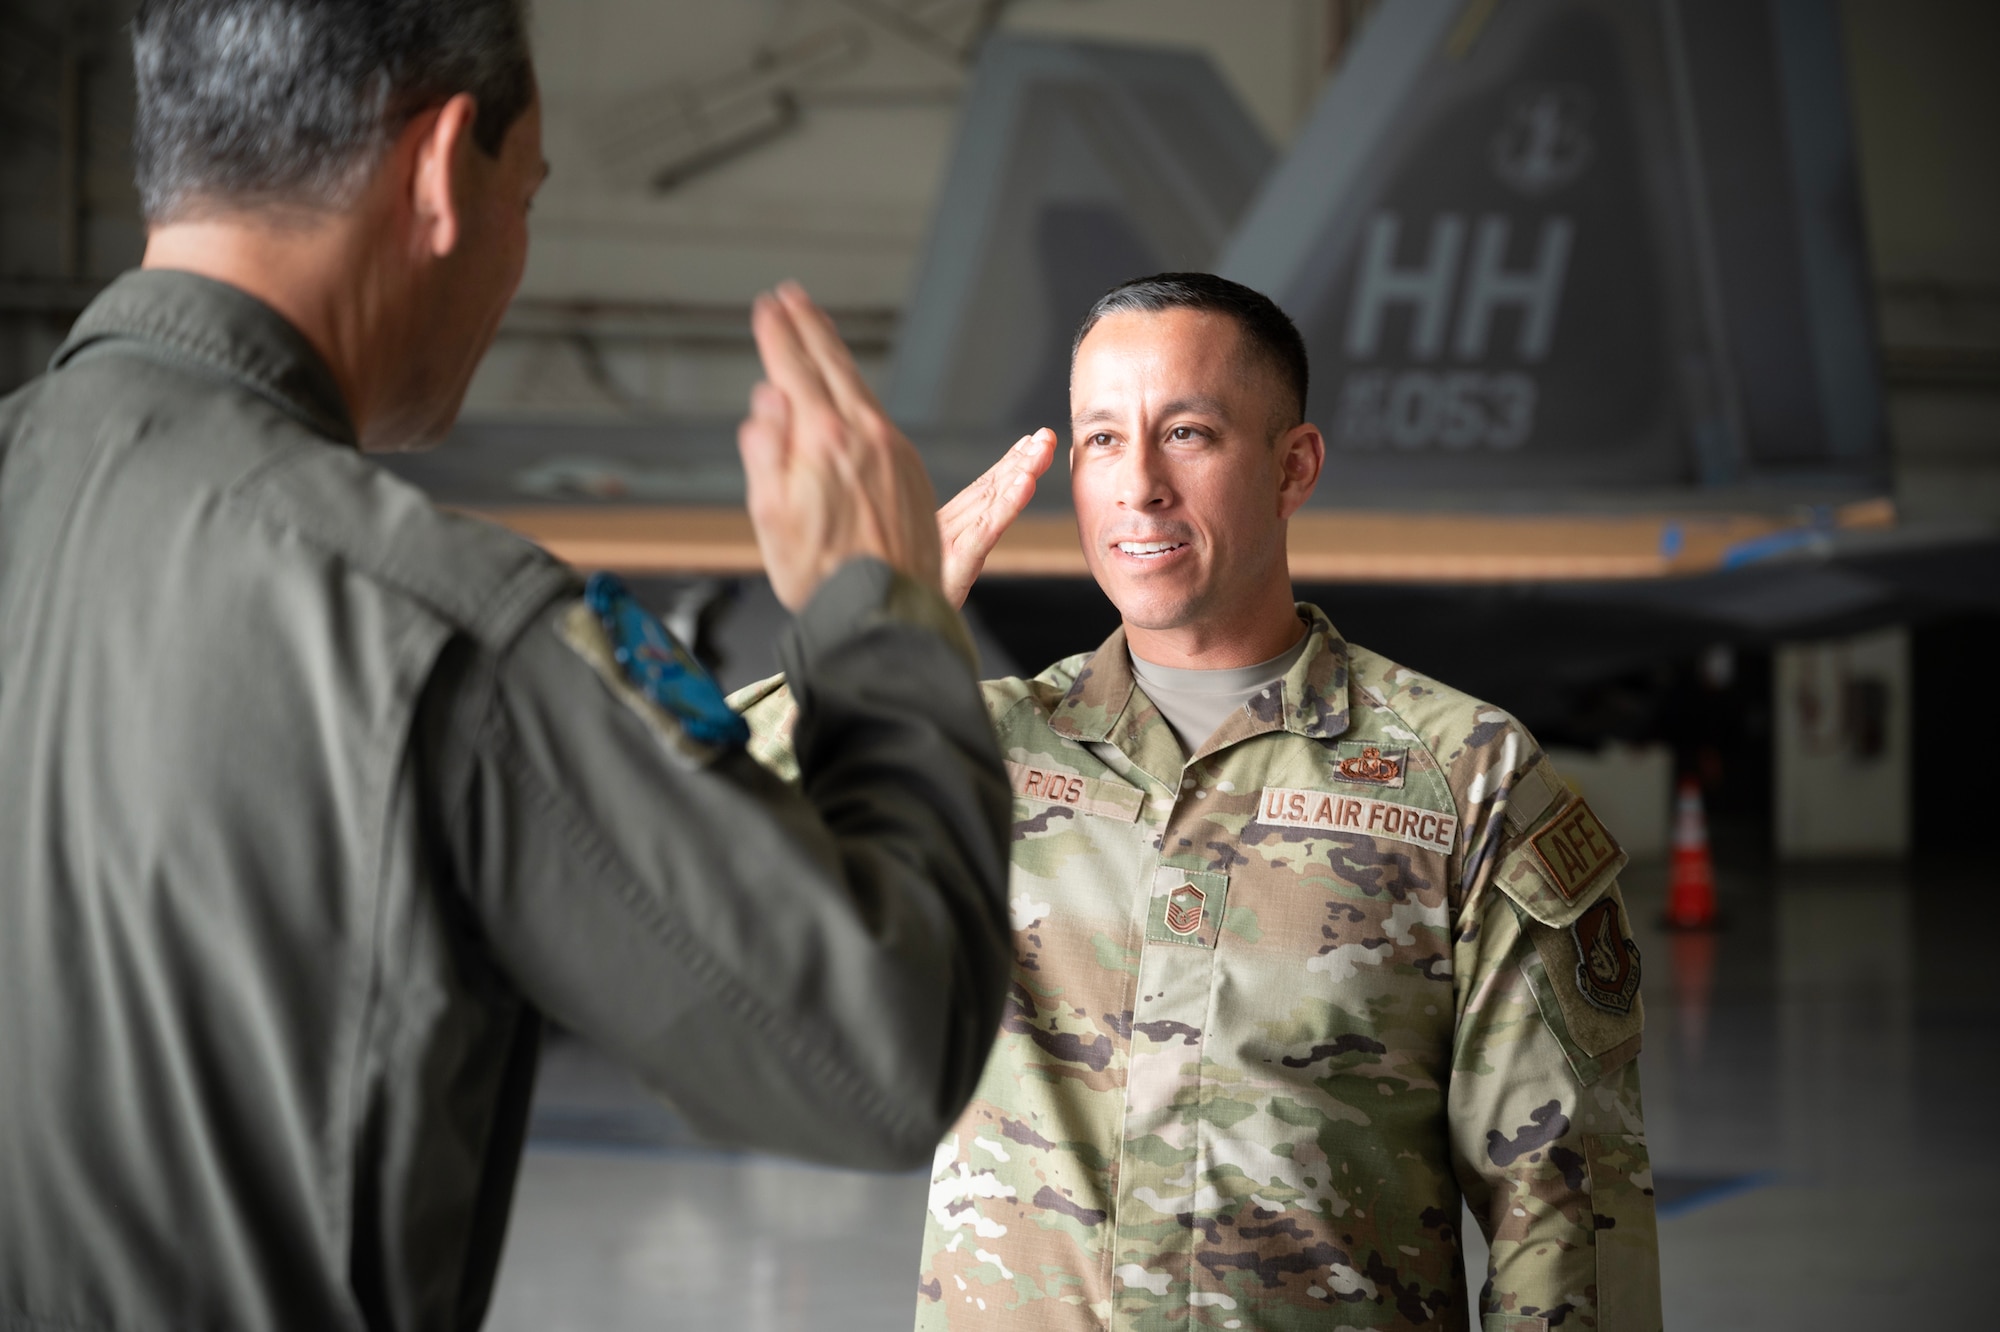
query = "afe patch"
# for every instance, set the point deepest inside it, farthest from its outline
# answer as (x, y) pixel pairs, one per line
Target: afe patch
(1574, 848)
(1607, 968)
(1370, 764)
(1335, 812)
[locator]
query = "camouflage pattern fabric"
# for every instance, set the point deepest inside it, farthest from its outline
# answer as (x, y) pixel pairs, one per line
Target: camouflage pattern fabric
(1278, 1004)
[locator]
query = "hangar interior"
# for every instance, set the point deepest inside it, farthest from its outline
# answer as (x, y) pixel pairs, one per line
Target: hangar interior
(1658, 350)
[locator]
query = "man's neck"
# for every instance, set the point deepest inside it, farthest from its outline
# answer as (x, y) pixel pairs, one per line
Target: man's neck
(1215, 645)
(303, 268)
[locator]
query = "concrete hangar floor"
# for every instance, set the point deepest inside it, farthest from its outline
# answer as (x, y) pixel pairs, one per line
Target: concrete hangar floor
(1819, 1076)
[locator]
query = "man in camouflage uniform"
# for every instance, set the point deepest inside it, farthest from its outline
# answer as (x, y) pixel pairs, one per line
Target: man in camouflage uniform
(1286, 993)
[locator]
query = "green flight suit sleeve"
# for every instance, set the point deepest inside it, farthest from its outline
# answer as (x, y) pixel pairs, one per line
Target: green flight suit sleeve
(813, 969)
(1547, 1131)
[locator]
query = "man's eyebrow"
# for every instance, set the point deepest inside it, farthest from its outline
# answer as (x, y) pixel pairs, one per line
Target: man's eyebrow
(1196, 404)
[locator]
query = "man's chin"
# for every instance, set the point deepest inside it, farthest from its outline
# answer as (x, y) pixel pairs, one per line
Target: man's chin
(1155, 610)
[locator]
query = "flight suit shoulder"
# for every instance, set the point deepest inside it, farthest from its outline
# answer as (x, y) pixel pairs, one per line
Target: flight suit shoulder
(479, 577)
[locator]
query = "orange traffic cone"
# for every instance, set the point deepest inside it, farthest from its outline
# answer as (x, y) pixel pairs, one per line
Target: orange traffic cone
(1691, 894)
(1693, 958)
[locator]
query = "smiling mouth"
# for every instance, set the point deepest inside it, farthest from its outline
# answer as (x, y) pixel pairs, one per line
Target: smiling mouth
(1148, 549)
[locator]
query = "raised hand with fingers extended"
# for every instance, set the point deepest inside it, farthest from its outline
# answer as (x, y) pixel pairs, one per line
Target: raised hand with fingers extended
(973, 522)
(830, 478)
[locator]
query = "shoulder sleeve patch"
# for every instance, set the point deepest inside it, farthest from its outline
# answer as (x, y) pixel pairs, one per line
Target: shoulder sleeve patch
(1586, 982)
(650, 673)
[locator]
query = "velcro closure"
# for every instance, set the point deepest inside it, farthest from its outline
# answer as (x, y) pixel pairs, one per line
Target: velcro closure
(1533, 794)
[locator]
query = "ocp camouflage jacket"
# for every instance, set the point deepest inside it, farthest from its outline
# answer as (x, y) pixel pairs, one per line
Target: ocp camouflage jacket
(1278, 1005)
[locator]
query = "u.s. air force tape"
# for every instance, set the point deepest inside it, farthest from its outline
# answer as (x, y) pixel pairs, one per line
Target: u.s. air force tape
(1334, 812)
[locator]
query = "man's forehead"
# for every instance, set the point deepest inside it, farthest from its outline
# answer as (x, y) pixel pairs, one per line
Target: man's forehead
(1172, 328)
(1189, 357)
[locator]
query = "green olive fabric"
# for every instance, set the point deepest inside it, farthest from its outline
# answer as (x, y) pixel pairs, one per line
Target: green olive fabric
(310, 813)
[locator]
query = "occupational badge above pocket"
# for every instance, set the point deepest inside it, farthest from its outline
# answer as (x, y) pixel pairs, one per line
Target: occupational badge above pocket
(651, 673)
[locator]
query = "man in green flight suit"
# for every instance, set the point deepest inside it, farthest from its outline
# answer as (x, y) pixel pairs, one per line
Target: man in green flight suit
(315, 800)
(1308, 947)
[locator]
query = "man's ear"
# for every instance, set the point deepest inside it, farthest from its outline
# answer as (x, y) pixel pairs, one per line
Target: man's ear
(439, 142)
(1301, 454)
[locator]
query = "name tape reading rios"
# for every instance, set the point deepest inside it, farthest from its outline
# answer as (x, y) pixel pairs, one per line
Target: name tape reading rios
(1059, 786)
(1325, 812)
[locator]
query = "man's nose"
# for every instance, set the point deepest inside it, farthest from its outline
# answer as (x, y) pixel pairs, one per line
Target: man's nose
(1142, 479)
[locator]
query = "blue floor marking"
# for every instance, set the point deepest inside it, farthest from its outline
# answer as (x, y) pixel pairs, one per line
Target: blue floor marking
(1677, 1195)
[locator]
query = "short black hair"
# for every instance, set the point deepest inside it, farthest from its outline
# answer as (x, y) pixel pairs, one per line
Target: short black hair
(248, 103)
(1268, 331)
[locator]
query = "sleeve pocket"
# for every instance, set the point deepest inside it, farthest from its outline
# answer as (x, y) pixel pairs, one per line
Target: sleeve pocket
(1626, 1237)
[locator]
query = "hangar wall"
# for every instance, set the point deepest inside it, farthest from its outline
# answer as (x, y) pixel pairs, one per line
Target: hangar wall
(808, 138)
(1924, 99)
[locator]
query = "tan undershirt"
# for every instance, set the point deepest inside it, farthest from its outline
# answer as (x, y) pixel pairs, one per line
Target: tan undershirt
(1195, 703)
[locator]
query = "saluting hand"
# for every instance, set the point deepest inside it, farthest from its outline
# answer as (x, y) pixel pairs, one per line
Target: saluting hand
(972, 524)
(829, 476)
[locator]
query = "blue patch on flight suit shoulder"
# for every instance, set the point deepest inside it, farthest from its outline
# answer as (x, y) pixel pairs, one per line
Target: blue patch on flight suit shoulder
(660, 668)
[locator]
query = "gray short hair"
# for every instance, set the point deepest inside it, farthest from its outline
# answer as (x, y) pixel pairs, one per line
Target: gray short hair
(291, 103)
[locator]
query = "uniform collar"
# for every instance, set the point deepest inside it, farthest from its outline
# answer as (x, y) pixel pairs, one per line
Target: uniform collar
(194, 319)
(1104, 702)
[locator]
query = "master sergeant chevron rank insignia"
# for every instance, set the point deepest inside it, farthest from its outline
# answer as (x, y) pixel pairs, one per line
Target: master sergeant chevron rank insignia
(1184, 909)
